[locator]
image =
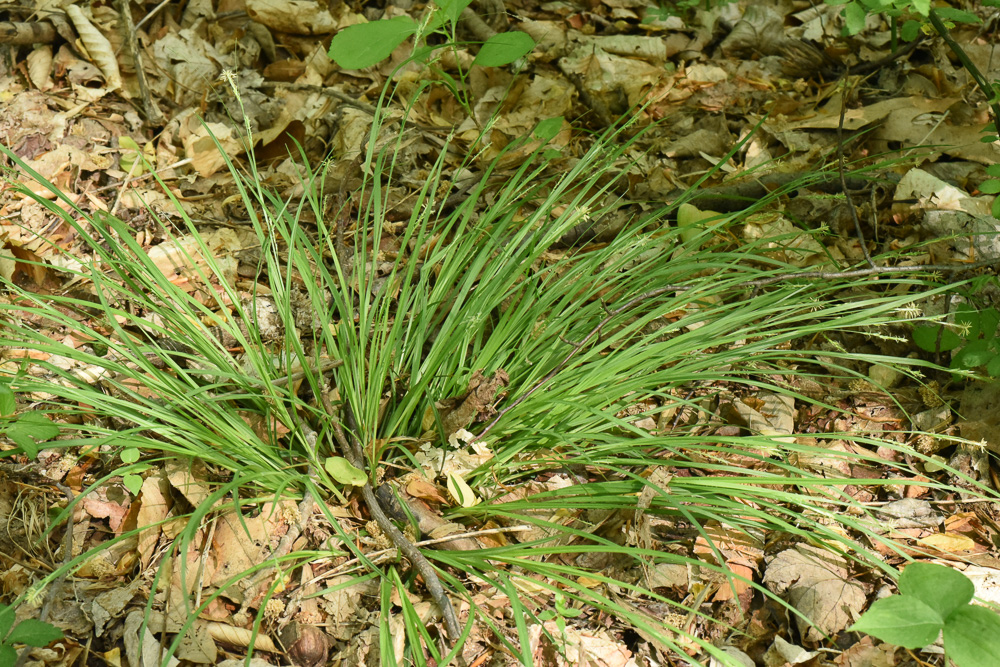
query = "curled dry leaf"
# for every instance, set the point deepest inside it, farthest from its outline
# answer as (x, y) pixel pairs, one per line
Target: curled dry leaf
(760, 31)
(221, 632)
(40, 67)
(98, 46)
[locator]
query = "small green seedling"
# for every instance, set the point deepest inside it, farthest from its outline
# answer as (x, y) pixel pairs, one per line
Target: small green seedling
(28, 631)
(26, 430)
(991, 186)
(934, 598)
(560, 614)
(974, 331)
(917, 11)
(366, 44)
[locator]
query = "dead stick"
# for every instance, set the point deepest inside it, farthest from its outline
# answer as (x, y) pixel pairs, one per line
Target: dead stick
(22, 34)
(131, 46)
(351, 449)
(841, 170)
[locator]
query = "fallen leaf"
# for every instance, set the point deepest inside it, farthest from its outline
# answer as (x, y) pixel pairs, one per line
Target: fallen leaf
(815, 582)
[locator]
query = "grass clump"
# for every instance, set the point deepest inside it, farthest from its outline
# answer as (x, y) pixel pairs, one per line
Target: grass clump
(586, 361)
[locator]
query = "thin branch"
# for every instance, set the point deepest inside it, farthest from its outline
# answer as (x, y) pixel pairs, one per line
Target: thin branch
(21, 33)
(876, 65)
(145, 175)
(351, 449)
(878, 270)
(149, 17)
(338, 95)
(130, 44)
(843, 176)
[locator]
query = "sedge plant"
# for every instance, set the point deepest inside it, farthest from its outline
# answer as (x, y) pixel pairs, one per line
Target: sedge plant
(140, 370)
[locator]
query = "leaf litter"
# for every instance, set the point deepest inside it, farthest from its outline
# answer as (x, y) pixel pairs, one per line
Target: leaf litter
(67, 121)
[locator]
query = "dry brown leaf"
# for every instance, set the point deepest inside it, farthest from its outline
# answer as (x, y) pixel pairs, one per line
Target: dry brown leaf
(816, 583)
(99, 48)
(418, 487)
(189, 477)
(154, 506)
(476, 404)
(40, 67)
(239, 543)
(949, 543)
(98, 506)
(298, 17)
(578, 647)
(868, 652)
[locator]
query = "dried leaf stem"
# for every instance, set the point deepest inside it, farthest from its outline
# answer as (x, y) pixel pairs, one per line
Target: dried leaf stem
(841, 169)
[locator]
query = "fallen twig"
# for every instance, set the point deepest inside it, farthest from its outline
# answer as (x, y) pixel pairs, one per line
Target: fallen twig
(35, 32)
(351, 450)
(841, 170)
(131, 46)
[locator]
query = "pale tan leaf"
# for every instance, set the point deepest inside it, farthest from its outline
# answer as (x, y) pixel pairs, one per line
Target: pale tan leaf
(298, 17)
(951, 543)
(98, 46)
(816, 583)
(40, 67)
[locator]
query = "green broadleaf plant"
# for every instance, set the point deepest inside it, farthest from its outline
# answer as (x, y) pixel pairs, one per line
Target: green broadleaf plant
(972, 337)
(991, 186)
(503, 49)
(940, 20)
(30, 632)
(857, 11)
(28, 430)
(934, 598)
(366, 44)
(341, 470)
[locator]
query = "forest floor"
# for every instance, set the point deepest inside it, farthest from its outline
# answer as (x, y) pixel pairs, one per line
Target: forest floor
(740, 99)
